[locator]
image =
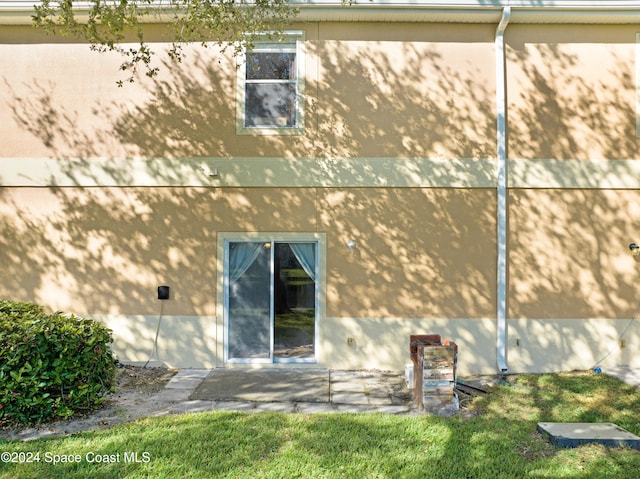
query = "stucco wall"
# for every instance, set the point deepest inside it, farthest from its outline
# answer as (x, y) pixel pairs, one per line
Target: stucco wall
(103, 250)
(405, 91)
(572, 92)
(107, 192)
(421, 253)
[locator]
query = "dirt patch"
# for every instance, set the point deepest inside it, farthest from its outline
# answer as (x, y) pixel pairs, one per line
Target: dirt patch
(141, 380)
(139, 392)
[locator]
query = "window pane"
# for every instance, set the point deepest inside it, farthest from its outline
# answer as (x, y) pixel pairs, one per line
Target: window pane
(271, 66)
(270, 104)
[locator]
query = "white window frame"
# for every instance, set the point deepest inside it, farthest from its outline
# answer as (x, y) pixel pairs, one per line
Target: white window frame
(224, 239)
(291, 40)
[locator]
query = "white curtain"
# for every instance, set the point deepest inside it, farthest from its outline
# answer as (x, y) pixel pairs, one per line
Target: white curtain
(241, 257)
(306, 256)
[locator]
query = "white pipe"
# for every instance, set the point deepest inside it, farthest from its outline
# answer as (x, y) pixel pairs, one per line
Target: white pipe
(501, 109)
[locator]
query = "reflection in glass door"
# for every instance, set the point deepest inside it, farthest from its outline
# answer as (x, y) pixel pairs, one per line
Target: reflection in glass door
(271, 301)
(249, 324)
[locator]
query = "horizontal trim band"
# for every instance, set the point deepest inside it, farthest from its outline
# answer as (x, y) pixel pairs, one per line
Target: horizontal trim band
(249, 172)
(318, 172)
(578, 174)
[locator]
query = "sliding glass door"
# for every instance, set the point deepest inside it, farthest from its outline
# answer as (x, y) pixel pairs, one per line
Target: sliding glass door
(271, 301)
(249, 302)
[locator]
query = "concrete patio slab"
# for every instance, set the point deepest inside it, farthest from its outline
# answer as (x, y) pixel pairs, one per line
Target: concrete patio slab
(371, 388)
(350, 398)
(187, 378)
(284, 407)
(314, 407)
(243, 406)
(340, 386)
(192, 406)
(264, 385)
(380, 398)
(354, 408)
(574, 434)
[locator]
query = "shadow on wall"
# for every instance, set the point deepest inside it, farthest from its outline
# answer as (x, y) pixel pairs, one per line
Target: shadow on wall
(368, 99)
(421, 253)
(572, 93)
(182, 341)
(569, 253)
(189, 114)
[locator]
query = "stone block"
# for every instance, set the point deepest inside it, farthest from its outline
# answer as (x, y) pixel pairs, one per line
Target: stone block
(438, 373)
(442, 405)
(437, 384)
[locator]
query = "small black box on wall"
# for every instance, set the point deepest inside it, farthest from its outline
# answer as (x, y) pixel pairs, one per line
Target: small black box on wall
(163, 292)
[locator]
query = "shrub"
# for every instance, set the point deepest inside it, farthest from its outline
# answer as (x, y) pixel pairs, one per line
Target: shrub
(51, 366)
(17, 310)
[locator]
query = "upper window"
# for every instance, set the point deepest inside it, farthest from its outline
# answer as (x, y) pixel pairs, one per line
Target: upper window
(270, 81)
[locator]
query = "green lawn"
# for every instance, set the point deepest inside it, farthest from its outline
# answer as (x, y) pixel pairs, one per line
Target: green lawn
(500, 440)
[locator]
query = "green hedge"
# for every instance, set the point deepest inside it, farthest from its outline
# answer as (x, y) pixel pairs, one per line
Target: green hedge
(51, 366)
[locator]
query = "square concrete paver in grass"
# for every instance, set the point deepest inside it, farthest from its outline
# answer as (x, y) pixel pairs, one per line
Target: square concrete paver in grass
(574, 434)
(264, 385)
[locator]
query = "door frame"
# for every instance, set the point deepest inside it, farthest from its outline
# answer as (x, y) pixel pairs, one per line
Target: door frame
(225, 238)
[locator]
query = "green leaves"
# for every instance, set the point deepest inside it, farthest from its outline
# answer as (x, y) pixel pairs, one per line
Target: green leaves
(109, 25)
(51, 366)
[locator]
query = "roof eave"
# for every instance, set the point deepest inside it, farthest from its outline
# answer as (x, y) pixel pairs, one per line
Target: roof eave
(484, 15)
(20, 13)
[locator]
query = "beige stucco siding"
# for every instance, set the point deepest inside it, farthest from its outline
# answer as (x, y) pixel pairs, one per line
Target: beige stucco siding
(406, 90)
(411, 92)
(423, 254)
(569, 255)
(572, 92)
(78, 110)
(108, 192)
(419, 252)
(104, 250)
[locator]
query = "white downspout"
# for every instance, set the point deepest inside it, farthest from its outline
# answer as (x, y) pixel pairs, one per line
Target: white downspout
(501, 107)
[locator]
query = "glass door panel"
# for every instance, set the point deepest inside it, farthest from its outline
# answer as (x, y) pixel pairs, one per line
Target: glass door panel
(249, 306)
(294, 301)
(271, 301)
